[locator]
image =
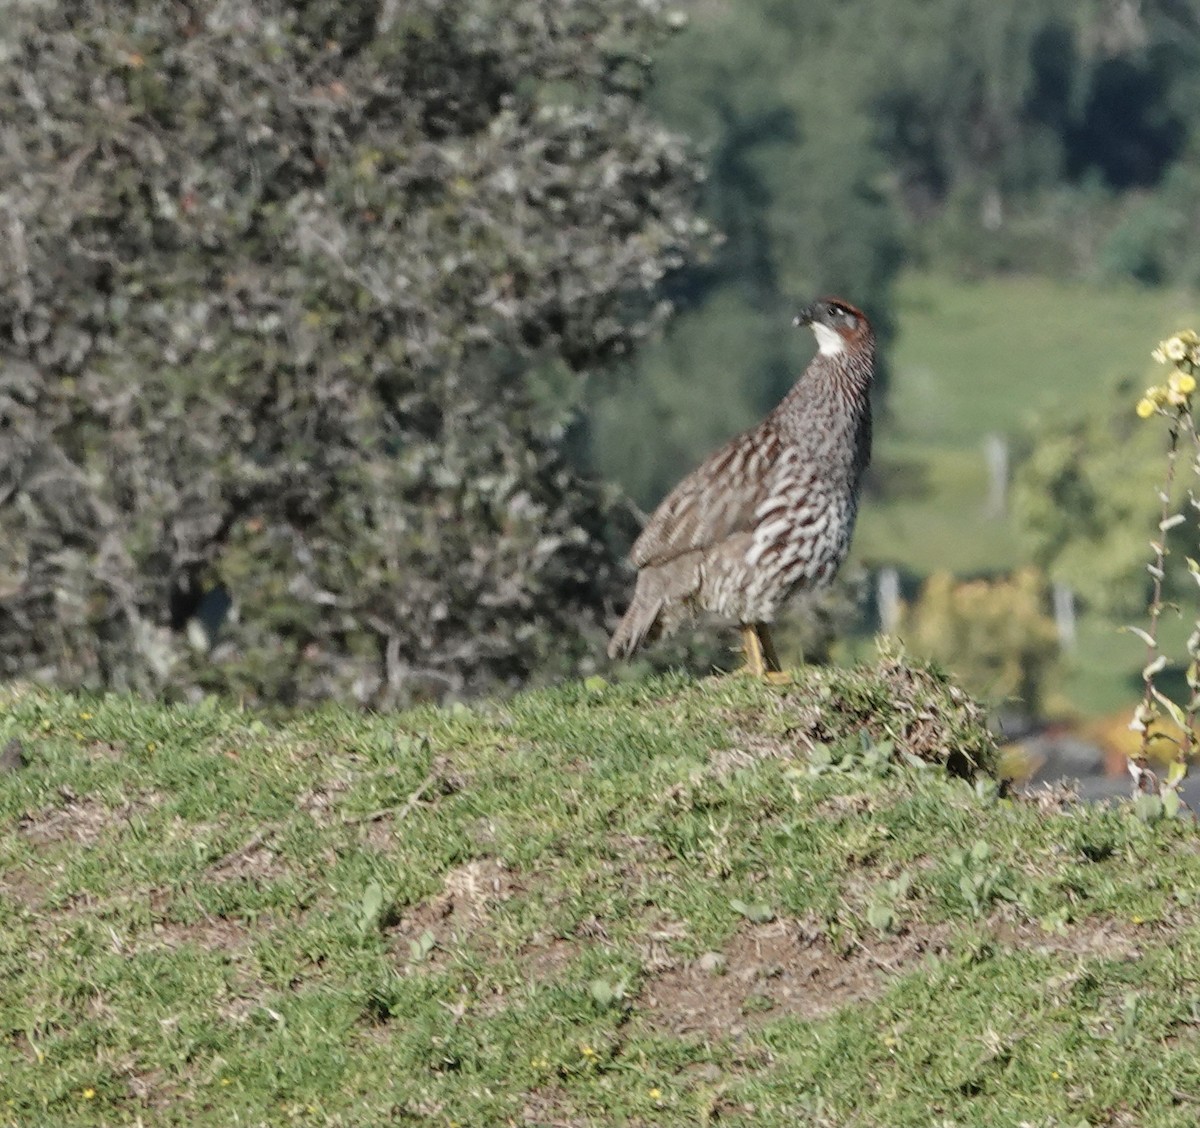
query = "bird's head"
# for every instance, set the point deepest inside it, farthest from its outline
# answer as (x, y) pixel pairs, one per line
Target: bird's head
(837, 325)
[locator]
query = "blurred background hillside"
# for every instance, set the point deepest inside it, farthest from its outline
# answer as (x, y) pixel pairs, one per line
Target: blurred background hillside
(1009, 190)
(341, 342)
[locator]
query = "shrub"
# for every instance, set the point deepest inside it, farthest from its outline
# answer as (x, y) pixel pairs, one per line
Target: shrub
(274, 277)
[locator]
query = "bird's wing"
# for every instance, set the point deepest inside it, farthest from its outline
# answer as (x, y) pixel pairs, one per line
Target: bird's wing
(715, 501)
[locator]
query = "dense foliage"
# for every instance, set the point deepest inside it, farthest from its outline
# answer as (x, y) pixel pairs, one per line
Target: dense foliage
(271, 279)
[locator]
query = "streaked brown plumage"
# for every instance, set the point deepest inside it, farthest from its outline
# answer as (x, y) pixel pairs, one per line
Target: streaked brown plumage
(771, 512)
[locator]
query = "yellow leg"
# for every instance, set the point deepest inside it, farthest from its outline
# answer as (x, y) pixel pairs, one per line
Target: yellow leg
(772, 671)
(761, 659)
(770, 658)
(752, 650)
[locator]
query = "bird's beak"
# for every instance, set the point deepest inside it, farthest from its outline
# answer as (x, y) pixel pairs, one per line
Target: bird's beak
(806, 316)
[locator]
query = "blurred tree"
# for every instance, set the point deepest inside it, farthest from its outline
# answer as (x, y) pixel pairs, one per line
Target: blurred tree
(994, 635)
(1084, 501)
(271, 279)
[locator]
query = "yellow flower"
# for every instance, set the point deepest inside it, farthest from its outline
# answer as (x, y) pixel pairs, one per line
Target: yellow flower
(656, 1094)
(1145, 408)
(89, 1094)
(1179, 386)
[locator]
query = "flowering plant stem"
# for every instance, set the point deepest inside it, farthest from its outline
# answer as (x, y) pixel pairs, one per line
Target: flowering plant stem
(1173, 401)
(1154, 661)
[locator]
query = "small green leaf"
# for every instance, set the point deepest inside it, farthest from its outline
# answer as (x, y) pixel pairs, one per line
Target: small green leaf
(370, 908)
(759, 912)
(820, 759)
(1174, 710)
(1152, 668)
(987, 790)
(1143, 635)
(422, 946)
(606, 994)
(1055, 921)
(1148, 808)
(881, 916)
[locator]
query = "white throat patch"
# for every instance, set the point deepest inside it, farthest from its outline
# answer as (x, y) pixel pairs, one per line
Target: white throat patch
(829, 341)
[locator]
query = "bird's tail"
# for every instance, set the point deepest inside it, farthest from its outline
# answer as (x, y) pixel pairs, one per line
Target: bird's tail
(661, 601)
(640, 625)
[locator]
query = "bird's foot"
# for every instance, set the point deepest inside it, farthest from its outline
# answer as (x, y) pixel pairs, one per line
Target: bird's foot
(754, 666)
(761, 661)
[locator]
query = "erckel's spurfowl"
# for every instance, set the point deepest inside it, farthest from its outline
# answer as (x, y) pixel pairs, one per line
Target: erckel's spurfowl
(769, 513)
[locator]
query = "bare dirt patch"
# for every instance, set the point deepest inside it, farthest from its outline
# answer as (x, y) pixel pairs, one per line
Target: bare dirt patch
(78, 819)
(24, 886)
(838, 807)
(322, 800)
(543, 961)
(551, 1106)
(211, 933)
(1105, 939)
(788, 969)
(462, 907)
(751, 748)
(255, 859)
(771, 970)
(103, 750)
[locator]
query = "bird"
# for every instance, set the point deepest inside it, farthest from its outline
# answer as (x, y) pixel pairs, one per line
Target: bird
(770, 513)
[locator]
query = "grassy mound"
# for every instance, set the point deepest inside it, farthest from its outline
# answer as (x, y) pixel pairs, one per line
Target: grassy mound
(672, 902)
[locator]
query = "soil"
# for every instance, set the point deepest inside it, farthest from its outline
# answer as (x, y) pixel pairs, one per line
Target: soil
(770, 970)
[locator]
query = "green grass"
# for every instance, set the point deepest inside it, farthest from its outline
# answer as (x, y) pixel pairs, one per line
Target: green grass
(647, 904)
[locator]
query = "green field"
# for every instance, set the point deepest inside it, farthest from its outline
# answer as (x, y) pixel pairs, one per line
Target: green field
(997, 356)
(994, 357)
(669, 903)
